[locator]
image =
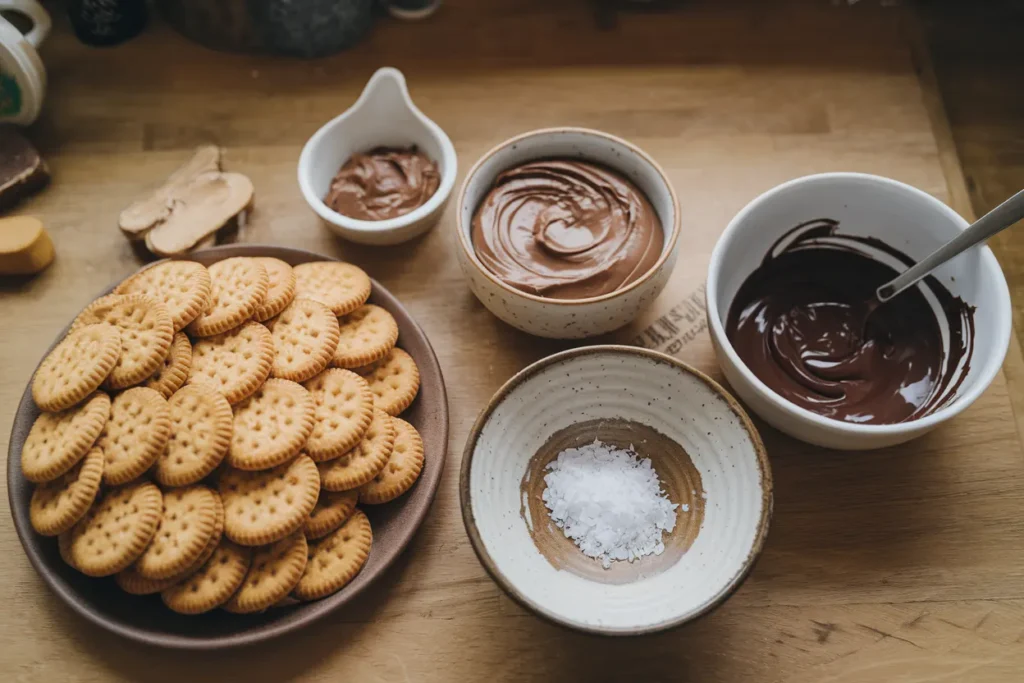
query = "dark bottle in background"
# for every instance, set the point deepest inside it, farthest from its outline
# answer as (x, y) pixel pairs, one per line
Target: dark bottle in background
(107, 22)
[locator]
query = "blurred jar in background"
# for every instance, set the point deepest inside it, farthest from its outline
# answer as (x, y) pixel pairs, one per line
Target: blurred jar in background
(107, 22)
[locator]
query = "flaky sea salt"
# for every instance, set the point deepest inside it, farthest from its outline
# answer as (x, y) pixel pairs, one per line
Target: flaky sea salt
(609, 501)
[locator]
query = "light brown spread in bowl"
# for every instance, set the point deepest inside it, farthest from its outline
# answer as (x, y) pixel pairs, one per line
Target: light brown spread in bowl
(383, 183)
(566, 229)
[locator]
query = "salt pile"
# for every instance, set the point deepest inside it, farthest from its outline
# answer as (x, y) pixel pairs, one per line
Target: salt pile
(609, 502)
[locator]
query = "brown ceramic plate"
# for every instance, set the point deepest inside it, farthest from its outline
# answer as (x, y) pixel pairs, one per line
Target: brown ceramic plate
(144, 618)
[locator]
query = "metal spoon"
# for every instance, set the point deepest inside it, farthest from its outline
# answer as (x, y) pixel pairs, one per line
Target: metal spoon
(996, 220)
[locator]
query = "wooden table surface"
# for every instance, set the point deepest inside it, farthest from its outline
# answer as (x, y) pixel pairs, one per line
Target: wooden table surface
(899, 565)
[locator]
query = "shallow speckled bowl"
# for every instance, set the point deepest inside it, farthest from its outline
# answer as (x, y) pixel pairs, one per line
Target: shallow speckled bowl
(706, 451)
(144, 618)
(568, 318)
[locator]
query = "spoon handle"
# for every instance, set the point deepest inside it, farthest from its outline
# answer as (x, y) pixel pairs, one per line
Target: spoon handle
(996, 220)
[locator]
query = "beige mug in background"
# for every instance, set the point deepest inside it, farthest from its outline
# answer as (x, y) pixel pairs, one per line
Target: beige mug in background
(22, 74)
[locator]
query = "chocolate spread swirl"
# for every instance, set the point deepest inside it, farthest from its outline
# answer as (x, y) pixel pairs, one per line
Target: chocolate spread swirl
(566, 229)
(807, 323)
(383, 183)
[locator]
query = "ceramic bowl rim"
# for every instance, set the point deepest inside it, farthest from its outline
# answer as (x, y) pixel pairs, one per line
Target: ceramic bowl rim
(989, 269)
(469, 519)
(436, 200)
(667, 250)
(313, 611)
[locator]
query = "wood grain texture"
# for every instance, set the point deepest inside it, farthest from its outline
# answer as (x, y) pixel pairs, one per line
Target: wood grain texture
(904, 564)
(978, 75)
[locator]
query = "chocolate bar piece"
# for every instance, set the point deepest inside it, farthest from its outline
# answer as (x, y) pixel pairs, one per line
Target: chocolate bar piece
(22, 171)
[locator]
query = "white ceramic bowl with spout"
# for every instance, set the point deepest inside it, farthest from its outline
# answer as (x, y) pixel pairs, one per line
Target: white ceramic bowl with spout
(384, 115)
(905, 218)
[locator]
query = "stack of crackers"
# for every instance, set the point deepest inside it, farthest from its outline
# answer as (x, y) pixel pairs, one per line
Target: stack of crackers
(208, 433)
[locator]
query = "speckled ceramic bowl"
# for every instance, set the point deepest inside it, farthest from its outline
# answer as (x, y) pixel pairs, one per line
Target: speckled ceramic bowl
(568, 318)
(708, 456)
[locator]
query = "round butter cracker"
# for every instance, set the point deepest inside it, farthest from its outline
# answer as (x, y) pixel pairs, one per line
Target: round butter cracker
(271, 426)
(135, 435)
(342, 287)
(363, 462)
(235, 363)
(274, 572)
(264, 507)
(57, 506)
(331, 511)
(146, 334)
(183, 286)
(305, 337)
(57, 441)
(402, 469)
(76, 367)
(201, 428)
(215, 582)
(171, 375)
(343, 412)
(116, 530)
(186, 527)
(367, 334)
(367, 370)
(239, 286)
(130, 581)
(335, 560)
(394, 382)
(281, 289)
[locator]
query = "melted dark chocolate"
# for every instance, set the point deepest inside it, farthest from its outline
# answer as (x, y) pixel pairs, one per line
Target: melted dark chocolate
(807, 324)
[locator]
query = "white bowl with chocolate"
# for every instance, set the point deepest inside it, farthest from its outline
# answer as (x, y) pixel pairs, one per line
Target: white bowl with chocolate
(615, 490)
(381, 172)
(567, 232)
(798, 334)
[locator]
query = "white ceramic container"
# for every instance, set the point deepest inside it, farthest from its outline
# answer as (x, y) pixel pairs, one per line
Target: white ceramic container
(608, 384)
(384, 115)
(900, 215)
(22, 74)
(567, 318)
